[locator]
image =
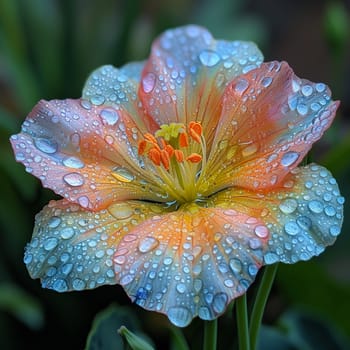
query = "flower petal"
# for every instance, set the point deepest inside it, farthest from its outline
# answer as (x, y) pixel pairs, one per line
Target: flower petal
(303, 215)
(270, 120)
(190, 262)
(86, 153)
(73, 249)
(187, 72)
(116, 87)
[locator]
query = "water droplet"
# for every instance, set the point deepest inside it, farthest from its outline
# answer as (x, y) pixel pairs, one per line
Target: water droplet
(50, 243)
(261, 231)
(241, 85)
(28, 258)
(126, 280)
(78, 284)
(73, 162)
(74, 179)
(181, 288)
(109, 116)
(249, 150)
(288, 206)
(236, 265)
(266, 82)
(54, 222)
(67, 268)
(219, 302)
(67, 233)
(85, 104)
(329, 210)
(320, 87)
(97, 100)
(123, 175)
(60, 285)
(83, 201)
(271, 258)
(334, 230)
(307, 90)
(316, 206)
(229, 283)
(204, 313)
(304, 222)
(289, 158)
(147, 244)
(209, 58)
(252, 270)
(291, 228)
(180, 316)
(46, 145)
(148, 82)
(121, 211)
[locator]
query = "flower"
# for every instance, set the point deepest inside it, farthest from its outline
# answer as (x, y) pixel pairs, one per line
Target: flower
(180, 176)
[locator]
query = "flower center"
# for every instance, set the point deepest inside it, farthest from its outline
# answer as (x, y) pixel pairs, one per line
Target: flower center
(179, 154)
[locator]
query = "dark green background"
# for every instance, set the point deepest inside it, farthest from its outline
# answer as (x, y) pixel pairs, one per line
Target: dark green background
(47, 50)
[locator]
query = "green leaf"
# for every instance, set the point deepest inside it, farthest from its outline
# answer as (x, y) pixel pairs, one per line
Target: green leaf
(104, 332)
(21, 305)
(133, 340)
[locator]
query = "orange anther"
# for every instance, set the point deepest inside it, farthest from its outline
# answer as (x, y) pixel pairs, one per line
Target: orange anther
(165, 159)
(163, 143)
(170, 150)
(142, 147)
(179, 155)
(194, 158)
(154, 155)
(195, 131)
(183, 139)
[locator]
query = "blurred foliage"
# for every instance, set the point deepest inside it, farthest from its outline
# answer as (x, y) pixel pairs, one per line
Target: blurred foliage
(47, 50)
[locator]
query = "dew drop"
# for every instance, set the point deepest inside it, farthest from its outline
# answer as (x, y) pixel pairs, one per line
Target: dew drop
(252, 270)
(78, 284)
(261, 231)
(289, 158)
(54, 222)
(181, 288)
(73, 162)
(204, 313)
(147, 244)
(60, 285)
(292, 228)
(180, 316)
(334, 230)
(67, 233)
(109, 116)
(304, 222)
(148, 82)
(85, 104)
(266, 82)
(209, 58)
(219, 302)
(236, 265)
(249, 150)
(288, 206)
(307, 90)
(74, 179)
(50, 244)
(46, 145)
(241, 85)
(271, 258)
(123, 175)
(316, 206)
(121, 211)
(84, 201)
(97, 100)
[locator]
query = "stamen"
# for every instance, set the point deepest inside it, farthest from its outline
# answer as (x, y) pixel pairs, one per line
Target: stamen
(183, 140)
(142, 148)
(195, 131)
(154, 156)
(179, 155)
(165, 159)
(194, 158)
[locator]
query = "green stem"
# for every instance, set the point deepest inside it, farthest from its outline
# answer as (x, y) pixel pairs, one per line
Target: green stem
(242, 323)
(210, 334)
(260, 303)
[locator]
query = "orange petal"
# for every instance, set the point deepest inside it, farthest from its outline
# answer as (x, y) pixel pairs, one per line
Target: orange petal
(186, 74)
(269, 122)
(84, 153)
(190, 262)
